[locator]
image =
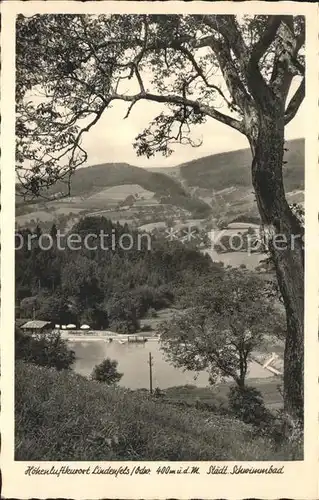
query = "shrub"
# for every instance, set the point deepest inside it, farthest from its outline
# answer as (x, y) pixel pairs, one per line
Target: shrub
(152, 313)
(125, 326)
(107, 372)
(247, 404)
(286, 431)
(146, 327)
(44, 350)
(158, 393)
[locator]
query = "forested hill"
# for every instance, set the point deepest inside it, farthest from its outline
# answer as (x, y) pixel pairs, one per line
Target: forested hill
(220, 171)
(97, 177)
(109, 286)
(92, 180)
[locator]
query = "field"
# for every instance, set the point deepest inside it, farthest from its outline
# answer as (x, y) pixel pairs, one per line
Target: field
(36, 215)
(153, 225)
(269, 388)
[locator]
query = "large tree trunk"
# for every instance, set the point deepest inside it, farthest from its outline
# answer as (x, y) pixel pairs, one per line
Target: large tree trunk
(278, 219)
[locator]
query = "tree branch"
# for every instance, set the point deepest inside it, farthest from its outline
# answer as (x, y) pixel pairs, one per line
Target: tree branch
(286, 64)
(226, 26)
(200, 73)
(295, 102)
(181, 101)
(228, 43)
(257, 84)
(263, 44)
(233, 81)
(229, 39)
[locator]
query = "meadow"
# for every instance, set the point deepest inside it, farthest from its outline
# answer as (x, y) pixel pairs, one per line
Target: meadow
(63, 416)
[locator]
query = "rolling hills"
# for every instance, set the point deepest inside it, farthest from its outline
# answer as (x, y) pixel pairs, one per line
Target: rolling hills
(91, 179)
(224, 180)
(213, 187)
(220, 171)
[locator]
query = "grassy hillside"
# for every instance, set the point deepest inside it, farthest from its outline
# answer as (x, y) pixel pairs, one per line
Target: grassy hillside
(63, 416)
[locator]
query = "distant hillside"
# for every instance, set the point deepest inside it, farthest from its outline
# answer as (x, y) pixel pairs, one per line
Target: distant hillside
(223, 170)
(224, 181)
(86, 181)
(96, 177)
(91, 180)
(217, 186)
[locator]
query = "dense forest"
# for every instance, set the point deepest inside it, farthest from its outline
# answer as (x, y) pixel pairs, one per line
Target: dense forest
(106, 288)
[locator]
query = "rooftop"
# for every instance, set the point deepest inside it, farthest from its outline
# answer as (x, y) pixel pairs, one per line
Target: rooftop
(36, 324)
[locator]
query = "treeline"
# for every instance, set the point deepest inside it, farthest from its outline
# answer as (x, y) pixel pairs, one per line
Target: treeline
(104, 288)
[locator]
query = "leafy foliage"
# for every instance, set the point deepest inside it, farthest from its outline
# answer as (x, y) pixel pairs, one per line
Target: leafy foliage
(44, 350)
(93, 58)
(247, 404)
(221, 334)
(107, 372)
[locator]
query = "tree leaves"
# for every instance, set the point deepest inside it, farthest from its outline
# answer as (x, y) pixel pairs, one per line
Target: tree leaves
(221, 335)
(71, 67)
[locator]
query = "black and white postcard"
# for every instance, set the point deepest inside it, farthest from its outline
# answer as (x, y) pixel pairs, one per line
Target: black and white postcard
(159, 250)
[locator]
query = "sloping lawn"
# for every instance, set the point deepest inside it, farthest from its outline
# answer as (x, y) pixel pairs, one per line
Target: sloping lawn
(63, 416)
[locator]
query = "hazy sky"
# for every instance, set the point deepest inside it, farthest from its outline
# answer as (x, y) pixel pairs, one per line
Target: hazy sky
(112, 137)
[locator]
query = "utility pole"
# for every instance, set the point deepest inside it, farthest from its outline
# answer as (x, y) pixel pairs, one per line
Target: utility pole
(150, 362)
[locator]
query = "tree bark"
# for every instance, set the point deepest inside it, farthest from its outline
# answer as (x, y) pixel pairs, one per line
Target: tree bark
(278, 219)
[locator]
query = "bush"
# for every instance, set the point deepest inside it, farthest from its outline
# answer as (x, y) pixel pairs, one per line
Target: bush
(146, 327)
(107, 372)
(284, 430)
(285, 434)
(247, 404)
(125, 326)
(152, 313)
(44, 350)
(158, 393)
